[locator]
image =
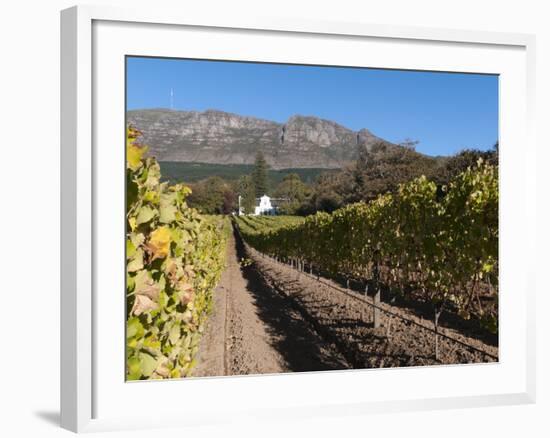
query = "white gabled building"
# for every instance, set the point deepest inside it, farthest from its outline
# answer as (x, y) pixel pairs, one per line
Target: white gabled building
(264, 207)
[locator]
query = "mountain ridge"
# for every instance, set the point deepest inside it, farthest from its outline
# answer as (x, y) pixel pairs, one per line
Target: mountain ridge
(220, 137)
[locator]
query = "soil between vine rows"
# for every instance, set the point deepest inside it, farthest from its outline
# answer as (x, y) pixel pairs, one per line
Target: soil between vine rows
(268, 318)
(255, 330)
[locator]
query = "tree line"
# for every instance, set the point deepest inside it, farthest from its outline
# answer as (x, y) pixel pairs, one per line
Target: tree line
(377, 170)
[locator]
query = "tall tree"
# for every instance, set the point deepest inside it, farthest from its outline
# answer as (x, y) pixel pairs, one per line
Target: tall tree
(382, 168)
(259, 175)
(459, 162)
(213, 195)
(327, 193)
(245, 189)
(293, 193)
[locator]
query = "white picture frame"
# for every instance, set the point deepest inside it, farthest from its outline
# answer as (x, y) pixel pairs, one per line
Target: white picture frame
(89, 183)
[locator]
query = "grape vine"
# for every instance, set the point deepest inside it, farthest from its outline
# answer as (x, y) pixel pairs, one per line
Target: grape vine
(440, 244)
(174, 260)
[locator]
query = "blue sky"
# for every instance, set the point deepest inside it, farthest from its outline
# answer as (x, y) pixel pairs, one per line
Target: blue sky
(445, 112)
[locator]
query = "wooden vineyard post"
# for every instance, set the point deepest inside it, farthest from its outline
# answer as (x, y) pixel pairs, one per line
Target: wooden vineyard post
(377, 318)
(436, 344)
(376, 299)
(436, 328)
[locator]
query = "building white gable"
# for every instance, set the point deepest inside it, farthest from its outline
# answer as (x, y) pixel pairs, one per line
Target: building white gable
(264, 206)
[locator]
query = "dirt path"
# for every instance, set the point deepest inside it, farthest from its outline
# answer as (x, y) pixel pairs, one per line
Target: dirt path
(255, 330)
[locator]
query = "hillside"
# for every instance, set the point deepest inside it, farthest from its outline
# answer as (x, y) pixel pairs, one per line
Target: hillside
(175, 172)
(218, 137)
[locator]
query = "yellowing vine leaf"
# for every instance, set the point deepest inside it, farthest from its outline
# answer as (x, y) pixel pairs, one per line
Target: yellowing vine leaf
(168, 212)
(174, 334)
(162, 369)
(142, 304)
(136, 261)
(145, 215)
(159, 243)
(134, 155)
(185, 292)
(145, 285)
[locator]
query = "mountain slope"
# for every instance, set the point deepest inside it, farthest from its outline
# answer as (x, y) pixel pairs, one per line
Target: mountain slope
(224, 138)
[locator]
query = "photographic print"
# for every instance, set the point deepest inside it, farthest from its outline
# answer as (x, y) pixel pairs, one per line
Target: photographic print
(296, 218)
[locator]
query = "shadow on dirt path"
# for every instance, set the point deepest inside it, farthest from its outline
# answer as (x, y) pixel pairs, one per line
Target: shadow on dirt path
(297, 343)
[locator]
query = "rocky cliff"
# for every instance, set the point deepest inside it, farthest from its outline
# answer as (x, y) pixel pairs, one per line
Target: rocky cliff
(224, 138)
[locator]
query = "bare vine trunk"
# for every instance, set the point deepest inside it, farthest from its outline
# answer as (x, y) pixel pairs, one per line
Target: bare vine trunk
(377, 317)
(437, 314)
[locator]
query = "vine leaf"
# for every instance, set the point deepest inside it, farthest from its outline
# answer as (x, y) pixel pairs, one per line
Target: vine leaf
(134, 328)
(142, 304)
(145, 214)
(134, 154)
(148, 364)
(159, 243)
(136, 262)
(146, 286)
(133, 366)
